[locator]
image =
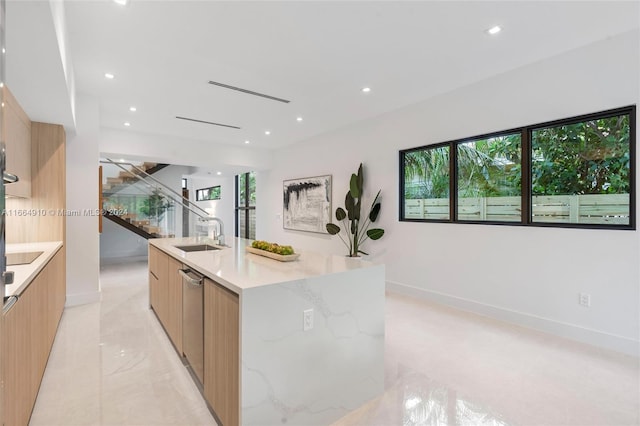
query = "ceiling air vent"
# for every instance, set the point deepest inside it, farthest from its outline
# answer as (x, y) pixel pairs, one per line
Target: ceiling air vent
(208, 122)
(249, 92)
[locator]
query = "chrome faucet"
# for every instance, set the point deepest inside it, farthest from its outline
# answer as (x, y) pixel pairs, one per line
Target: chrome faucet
(221, 234)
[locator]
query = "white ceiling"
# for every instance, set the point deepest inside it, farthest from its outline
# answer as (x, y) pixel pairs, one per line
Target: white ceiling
(317, 54)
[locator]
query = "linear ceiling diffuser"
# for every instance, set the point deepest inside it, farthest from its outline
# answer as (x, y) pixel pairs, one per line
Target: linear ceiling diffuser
(249, 92)
(208, 122)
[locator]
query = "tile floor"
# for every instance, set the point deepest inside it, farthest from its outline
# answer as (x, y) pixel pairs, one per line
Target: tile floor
(111, 364)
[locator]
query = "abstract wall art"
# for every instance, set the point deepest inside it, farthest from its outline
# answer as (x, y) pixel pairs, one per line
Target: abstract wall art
(307, 204)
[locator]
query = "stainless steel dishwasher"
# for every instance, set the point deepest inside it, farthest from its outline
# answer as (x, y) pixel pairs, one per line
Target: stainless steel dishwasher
(193, 320)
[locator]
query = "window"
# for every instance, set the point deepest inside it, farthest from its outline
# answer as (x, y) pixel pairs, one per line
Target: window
(205, 194)
(184, 183)
(576, 172)
(489, 179)
(426, 183)
(581, 172)
(246, 205)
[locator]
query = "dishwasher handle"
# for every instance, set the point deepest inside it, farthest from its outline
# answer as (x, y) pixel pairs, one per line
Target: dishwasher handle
(191, 277)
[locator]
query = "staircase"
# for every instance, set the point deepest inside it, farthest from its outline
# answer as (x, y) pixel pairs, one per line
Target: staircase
(120, 186)
(134, 199)
(125, 178)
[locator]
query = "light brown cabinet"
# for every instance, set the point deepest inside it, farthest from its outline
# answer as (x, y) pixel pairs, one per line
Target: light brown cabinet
(48, 189)
(165, 293)
(16, 133)
(174, 304)
(221, 331)
(29, 328)
(222, 352)
(159, 283)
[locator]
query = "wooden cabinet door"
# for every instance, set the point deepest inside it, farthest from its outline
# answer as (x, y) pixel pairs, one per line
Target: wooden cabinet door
(222, 352)
(163, 288)
(153, 260)
(175, 304)
(16, 132)
(153, 292)
(16, 350)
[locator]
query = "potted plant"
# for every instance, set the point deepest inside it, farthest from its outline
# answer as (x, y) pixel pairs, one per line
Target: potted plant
(356, 227)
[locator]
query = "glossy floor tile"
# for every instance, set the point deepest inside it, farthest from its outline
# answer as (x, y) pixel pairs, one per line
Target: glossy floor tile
(448, 367)
(112, 364)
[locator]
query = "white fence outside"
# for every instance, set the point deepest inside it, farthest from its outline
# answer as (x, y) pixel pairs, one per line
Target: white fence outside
(588, 209)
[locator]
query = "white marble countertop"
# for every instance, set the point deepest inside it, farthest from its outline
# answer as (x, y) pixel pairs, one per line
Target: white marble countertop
(238, 270)
(24, 274)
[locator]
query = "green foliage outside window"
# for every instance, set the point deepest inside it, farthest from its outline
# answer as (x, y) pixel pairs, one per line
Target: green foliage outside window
(580, 173)
(590, 157)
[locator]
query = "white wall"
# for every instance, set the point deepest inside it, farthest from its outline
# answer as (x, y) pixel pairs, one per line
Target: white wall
(118, 244)
(82, 184)
(531, 276)
(224, 208)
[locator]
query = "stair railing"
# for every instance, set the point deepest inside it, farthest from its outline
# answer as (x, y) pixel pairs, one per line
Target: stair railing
(198, 211)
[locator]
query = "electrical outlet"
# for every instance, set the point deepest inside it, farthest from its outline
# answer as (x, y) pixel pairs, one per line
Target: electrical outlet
(307, 320)
(584, 299)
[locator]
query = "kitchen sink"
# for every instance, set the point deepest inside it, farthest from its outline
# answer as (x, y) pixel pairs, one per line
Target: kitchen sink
(197, 247)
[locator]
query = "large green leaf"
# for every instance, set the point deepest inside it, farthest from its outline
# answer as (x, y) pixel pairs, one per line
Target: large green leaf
(353, 186)
(333, 229)
(360, 179)
(354, 226)
(375, 234)
(350, 204)
(356, 209)
(340, 213)
(373, 214)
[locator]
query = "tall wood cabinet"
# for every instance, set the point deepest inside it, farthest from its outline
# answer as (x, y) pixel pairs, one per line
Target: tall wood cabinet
(16, 133)
(28, 331)
(48, 189)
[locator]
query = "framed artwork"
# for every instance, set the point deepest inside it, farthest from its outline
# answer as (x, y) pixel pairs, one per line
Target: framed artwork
(307, 204)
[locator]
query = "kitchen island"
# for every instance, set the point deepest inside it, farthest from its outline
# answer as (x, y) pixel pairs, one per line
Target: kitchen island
(297, 342)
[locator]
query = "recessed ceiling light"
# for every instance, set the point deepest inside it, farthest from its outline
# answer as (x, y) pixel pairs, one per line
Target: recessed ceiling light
(127, 124)
(122, 160)
(219, 173)
(494, 30)
(246, 141)
(109, 76)
(267, 132)
(299, 119)
(133, 109)
(121, 2)
(366, 89)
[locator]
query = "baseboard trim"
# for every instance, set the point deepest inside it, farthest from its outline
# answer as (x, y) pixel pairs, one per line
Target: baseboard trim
(117, 260)
(570, 331)
(82, 298)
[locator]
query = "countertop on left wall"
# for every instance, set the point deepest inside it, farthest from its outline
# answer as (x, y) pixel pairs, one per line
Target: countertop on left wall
(24, 274)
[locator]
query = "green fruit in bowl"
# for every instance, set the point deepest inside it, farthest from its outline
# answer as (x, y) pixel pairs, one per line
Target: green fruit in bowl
(272, 247)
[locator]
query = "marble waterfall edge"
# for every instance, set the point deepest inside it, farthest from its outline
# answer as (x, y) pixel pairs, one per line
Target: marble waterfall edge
(313, 377)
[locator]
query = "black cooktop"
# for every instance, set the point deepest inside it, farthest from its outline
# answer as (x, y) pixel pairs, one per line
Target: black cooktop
(24, 258)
